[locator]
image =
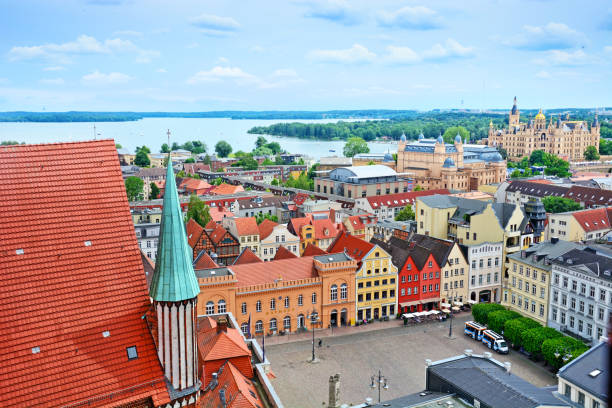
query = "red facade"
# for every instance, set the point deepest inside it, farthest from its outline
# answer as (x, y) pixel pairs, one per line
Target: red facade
(419, 287)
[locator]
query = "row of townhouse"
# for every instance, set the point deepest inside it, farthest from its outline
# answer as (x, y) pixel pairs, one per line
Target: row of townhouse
(519, 192)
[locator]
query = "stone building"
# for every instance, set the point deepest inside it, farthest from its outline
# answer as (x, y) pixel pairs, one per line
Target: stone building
(564, 138)
(485, 263)
(362, 181)
(434, 164)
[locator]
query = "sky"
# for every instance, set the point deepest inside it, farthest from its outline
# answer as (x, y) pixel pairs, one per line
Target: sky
(117, 55)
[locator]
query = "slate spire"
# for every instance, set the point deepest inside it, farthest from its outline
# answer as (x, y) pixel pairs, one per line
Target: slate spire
(174, 278)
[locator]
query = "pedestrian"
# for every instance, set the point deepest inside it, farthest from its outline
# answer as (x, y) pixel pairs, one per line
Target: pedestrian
(320, 343)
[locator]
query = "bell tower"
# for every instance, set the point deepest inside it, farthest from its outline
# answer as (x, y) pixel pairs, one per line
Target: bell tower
(513, 118)
(174, 290)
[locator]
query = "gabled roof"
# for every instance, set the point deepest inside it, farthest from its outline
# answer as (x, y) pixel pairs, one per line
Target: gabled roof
(191, 184)
(269, 272)
(440, 248)
(225, 189)
(313, 250)
(233, 387)
(211, 225)
(401, 199)
(194, 231)
(325, 228)
(246, 226)
(204, 261)
(193, 168)
(297, 223)
(217, 214)
(246, 257)
(265, 228)
(283, 253)
(355, 247)
(594, 219)
(71, 270)
(174, 279)
(401, 251)
(582, 372)
(537, 189)
(217, 234)
(593, 196)
(219, 344)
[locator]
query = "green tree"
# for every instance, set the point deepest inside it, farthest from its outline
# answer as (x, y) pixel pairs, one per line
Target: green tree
(142, 159)
(274, 182)
(118, 146)
(217, 181)
(198, 210)
(247, 163)
(261, 141)
(405, 214)
(223, 149)
(418, 188)
(8, 143)
(532, 339)
(503, 152)
(514, 327)
(537, 157)
(154, 191)
(591, 153)
(278, 160)
(259, 218)
(190, 160)
(198, 147)
(175, 146)
(143, 148)
(207, 160)
(605, 146)
(553, 204)
(134, 187)
(567, 349)
(497, 319)
(516, 173)
(481, 311)
(451, 132)
(355, 145)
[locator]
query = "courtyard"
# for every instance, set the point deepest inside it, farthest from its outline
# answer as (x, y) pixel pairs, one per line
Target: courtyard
(399, 352)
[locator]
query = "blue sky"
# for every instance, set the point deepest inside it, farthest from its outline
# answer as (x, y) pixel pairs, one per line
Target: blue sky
(310, 55)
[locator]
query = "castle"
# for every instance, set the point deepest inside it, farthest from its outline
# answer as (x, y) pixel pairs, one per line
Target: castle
(567, 139)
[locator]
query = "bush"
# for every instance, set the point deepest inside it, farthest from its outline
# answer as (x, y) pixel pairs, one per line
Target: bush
(515, 327)
(561, 345)
(497, 319)
(481, 311)
(532, 339)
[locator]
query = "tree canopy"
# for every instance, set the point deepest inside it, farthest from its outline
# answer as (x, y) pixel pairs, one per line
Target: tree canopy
(142, 159)
(452, 132)
(355, 145)
(259, 218)
(133, 187)
(591, 153)
(223, 149)
(554, 166)
(553, 204)
(198, 210)
(154, 191)
(405, 214)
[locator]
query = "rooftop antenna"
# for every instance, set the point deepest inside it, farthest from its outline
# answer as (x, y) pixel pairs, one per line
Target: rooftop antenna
(168, 133)
(94, 131)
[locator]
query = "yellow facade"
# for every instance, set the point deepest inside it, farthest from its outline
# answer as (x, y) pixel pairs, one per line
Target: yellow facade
(565, 227)
(454, 277)
(146, 218)
(376, 286)
(526, 290)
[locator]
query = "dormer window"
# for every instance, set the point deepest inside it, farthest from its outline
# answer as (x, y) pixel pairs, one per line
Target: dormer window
(132, 353)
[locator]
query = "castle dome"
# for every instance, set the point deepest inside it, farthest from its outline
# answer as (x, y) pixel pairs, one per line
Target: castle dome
(540, 115)
(403, 138)
(388, 157)
(458, 138)
(448, 163)
(440, 139)
(492, 157)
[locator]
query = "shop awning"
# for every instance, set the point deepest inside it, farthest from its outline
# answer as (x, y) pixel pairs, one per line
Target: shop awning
(435, 311)
(405, 304)
(407, 315)
(445, 304)
(445, 310)
(458, 304)
(455, 308)
(472, 302)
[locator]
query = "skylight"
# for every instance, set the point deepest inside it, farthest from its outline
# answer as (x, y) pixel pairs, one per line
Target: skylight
(594, 373)
(132, 353)
(19, 251)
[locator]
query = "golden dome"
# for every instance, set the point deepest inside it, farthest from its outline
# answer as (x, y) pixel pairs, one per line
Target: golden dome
(540, 116)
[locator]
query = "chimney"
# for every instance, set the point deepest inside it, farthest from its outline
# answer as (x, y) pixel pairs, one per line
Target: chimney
(334, 391)
(213, 381)
(222, 324)
(554, 240)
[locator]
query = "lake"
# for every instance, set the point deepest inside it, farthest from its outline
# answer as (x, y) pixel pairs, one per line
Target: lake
(152, 132)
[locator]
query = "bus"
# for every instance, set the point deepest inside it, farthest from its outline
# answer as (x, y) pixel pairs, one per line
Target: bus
(495, 341)
(474, 330)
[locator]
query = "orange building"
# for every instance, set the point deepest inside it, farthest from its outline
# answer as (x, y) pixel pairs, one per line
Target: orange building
(279, 296)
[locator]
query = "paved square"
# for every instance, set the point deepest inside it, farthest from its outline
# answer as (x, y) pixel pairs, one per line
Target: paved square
(399, 352)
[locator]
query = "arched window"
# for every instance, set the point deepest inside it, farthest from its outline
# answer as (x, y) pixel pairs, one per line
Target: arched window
(334, 292)
(243, 308)
(258, 306)
(300, 321)
(286, 301)
(314, 298)
(300, 300)
(272, 304)
(210, 308)
(259, 327)
(273, 324)
(287, 323)
(245, 328)
(221, 306)
(343, 291)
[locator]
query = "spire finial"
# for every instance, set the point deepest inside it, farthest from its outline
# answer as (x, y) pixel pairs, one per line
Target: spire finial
(168, 133)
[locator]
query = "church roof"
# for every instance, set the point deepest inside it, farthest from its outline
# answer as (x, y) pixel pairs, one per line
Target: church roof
(174, 278)
(73, 289)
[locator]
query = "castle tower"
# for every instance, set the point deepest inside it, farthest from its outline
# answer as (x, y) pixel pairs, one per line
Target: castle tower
(540, 120)
(174, 290)
(513, 119)
(595, 124)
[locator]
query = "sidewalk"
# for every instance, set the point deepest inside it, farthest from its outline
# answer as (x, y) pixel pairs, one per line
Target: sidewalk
(345, 330)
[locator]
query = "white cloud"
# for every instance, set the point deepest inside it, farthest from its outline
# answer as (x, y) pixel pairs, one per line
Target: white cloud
(451, 49)
(218, 73)
(52, 81)
(54, 68)
(552, 36)
(401, 55)
(338, 11)
(215, 26)
(563, 58)
(99, 78)
(543, 75)
(84, 44)
(354, 55)
(413, 18)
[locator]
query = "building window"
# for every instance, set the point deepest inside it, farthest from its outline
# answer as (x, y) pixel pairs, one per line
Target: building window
(259, 327)
(286, 301)
(273, 324)
(300, 300)
(210, 308)
(287, 323)
(244, 327)
(221, 306)
(334, 292)
(343, 291)
(243, 308)
(314, 298)
(567, 391)
(258, 306)
(581, 398)
(272, 304)
(541, 310)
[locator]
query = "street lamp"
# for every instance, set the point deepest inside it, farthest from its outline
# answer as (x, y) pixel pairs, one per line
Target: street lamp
(379, 381)
(450, 322)
(566, 356)
(314, 318)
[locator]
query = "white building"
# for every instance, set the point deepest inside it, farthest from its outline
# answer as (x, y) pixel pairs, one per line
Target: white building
(485, 272)
(148, 237)
(272, 236)
(584, 381)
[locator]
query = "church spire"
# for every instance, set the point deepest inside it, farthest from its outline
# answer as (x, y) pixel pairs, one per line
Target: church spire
(174, 278)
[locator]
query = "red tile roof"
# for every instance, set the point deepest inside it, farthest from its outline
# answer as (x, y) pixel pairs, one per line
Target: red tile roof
(313, 250)
(194, 232)
(589, 196)
(225, 189)
(71, 270)
(358, 222)
(239, 391)
(193, 168)
(217, 234)
(402, 199)
(265, 228)
(355, 247)
(325, 228)
(593, 220)
(246, 226)
(194, 185)
(297, 223)
(219, 213)
(246, 257)
(204, 261)
(283, 253)
(214, 344)
(268, 272)
(211, 225)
